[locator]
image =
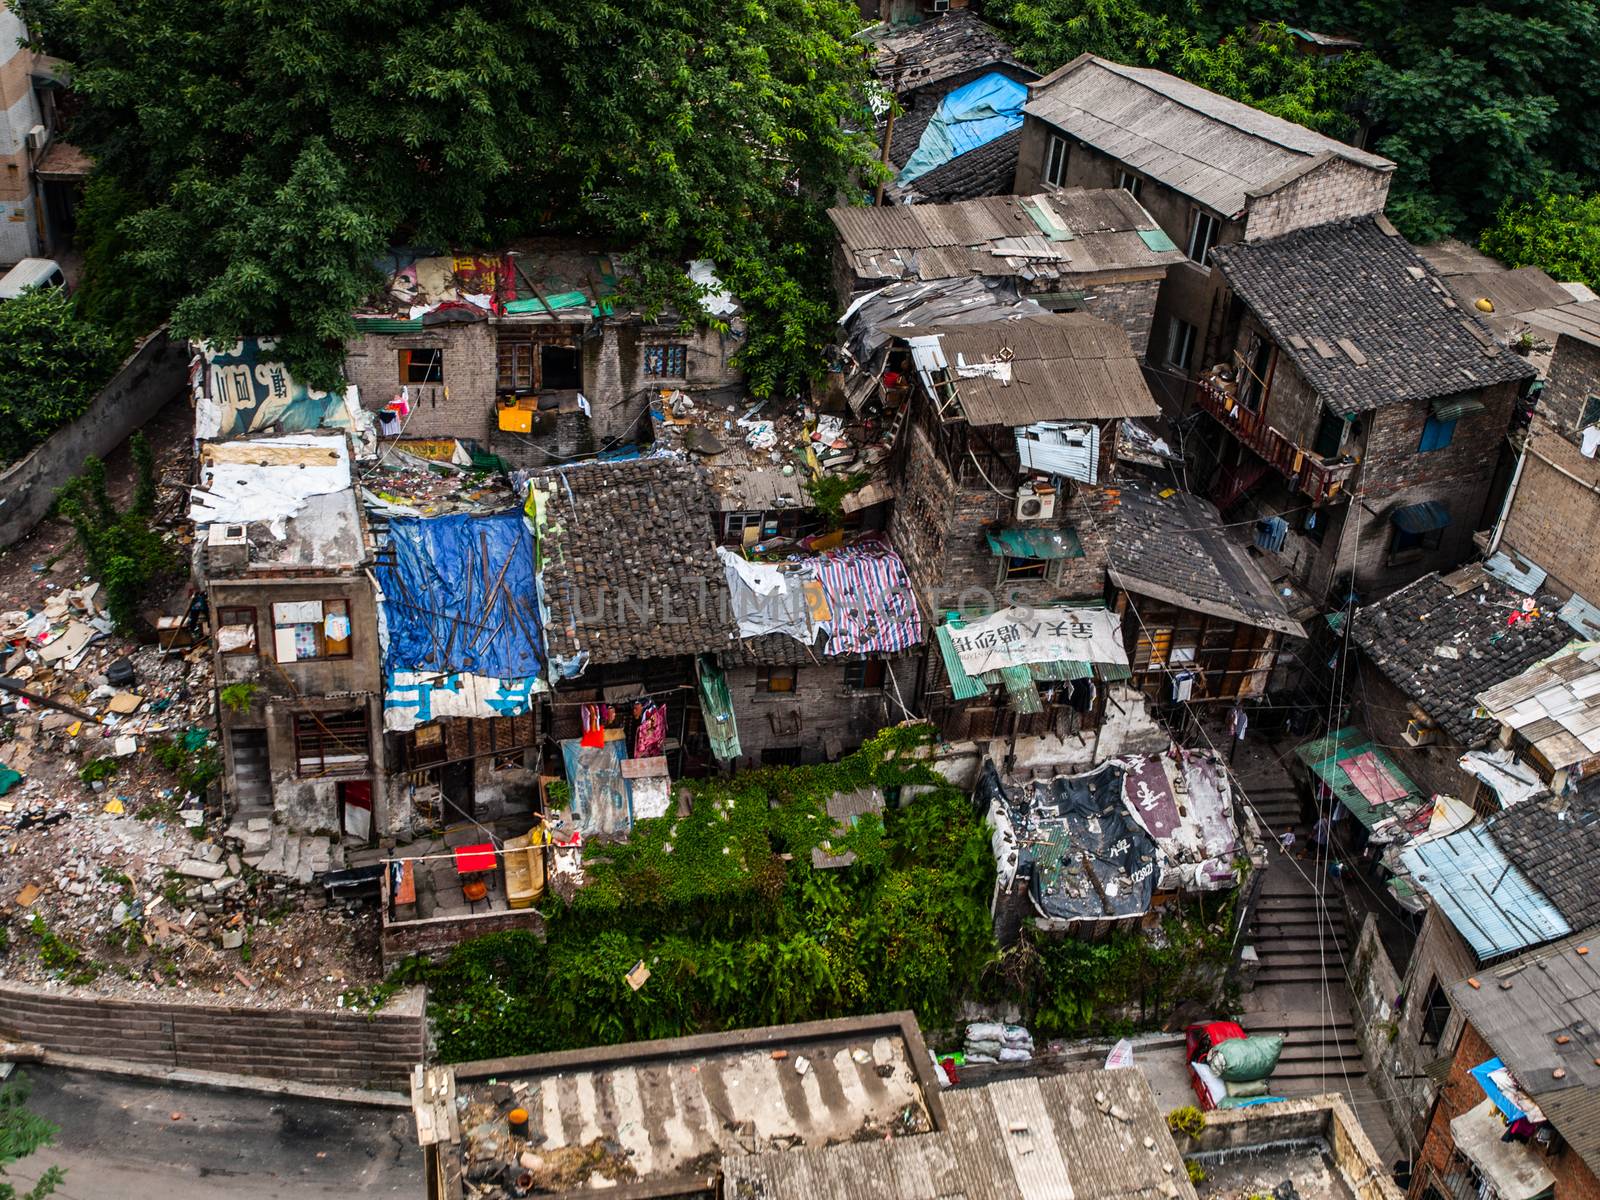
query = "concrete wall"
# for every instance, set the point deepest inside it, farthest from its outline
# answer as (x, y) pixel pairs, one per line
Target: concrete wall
(938, 526)
(332, 1048)
(1332, 191)
(1573, 376)
(150, 376)
(21, 233)
(820, 717)
(1327, 1119)
(1396, 1063)
(1554, 517)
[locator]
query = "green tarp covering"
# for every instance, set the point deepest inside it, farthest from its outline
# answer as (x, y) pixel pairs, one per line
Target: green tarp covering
(1324, 756)
(717, 706)
(1036, 543)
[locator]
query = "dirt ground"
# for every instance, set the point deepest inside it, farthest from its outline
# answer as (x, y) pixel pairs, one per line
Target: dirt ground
(122, 885)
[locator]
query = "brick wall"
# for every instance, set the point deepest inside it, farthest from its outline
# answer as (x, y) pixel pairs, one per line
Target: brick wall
(1554, 518)
(938, 526)
(1393, 474)
(820, 717)
(1330, 192)
(372, 363)
(1461, 1092)
(1573, 377)
(332, 1048)
(437, 935)
(1128, 304)
(1385, 709)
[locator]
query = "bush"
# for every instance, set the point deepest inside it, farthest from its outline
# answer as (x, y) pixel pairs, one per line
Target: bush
(1560, 234)
(122, 549)
(52, 362)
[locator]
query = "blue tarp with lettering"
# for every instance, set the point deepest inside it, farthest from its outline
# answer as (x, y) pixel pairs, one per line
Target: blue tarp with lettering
(967, 118)
(459, 595)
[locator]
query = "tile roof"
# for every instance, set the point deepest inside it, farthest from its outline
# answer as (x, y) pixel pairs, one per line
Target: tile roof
(1444, 639)
(1492, 905)
(1036, 238)
(907, 58)
(1212, 149)
(1556, 843)
(623, 537)
(1067, 366)
(1554, 704)
(984, 171)
(1359, 313)
(1174, 550)
(1522, 1006)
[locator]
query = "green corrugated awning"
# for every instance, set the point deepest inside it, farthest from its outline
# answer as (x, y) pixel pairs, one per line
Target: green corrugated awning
(1335, 621)
(1157, 240)
(1324, 756)
(962, 685)
(1023, 691)
(1036, 543)
(388, 325)
(716, 704)
(1452, 410)
(1112, 672)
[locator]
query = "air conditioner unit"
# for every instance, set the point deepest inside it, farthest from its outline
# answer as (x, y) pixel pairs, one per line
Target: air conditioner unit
(1036, 502)
(36, 137)
(1420, 733)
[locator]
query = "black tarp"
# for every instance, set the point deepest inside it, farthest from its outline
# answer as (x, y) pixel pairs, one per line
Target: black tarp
(1084, 856)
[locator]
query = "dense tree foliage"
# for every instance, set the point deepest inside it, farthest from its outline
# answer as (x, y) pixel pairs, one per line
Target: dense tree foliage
(1475, 102)
(52, 362)
(1560, 234)
(267, 152)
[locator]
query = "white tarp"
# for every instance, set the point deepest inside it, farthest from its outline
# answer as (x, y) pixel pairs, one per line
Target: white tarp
(267, 480)
(1511, 779)
(768, 599)
(412, 698)
(1015, 637)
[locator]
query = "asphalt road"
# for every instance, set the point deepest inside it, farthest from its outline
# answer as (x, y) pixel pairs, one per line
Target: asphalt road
(119, 1140)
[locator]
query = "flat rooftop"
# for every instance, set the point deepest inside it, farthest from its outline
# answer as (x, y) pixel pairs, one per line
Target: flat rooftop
(667, 1113)
(1308, 1148)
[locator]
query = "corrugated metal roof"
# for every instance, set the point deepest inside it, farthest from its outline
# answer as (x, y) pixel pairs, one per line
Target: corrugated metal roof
(962, 685)
(1582, 617)
(1521, 573)
(1421, 518)
(387, 325)
(1491, 903)
(1065, 366)
(1208, 147)
(1579, 321)
(1325, 755)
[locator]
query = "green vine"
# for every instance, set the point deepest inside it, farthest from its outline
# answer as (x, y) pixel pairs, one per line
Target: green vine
(237, 697)
(828, 493)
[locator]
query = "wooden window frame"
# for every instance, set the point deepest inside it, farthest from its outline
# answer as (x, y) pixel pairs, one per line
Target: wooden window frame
(255, 629)
(511, 376)
(339, 729)
(785, 676)
(1180, 334)
(866, 675)
(1057, 154)
(322, 654)
(406, 370)
(1203, 220)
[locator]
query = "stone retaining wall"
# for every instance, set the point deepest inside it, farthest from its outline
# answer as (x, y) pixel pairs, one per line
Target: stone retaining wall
(333, 1048)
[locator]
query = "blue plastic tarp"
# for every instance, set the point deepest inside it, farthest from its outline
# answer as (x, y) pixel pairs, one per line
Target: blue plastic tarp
(967, 118)
(460, 595)
(1483, 1073)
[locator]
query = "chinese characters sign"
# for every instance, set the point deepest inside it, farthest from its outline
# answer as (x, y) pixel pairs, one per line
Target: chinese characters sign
(1017, 636)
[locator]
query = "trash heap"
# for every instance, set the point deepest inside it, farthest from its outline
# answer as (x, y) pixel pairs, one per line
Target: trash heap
(993, 1042)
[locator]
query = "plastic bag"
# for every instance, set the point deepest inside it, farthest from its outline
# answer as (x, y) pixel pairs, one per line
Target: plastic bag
(1239, 1060)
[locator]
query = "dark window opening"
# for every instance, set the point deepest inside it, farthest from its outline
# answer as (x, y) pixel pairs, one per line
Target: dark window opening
(1408, 547)
(1129, 182)
(775, 679)
(666, 362)
(1202, 235)
(1330, 433)
(1591, 413)
(1253, 387)
(422, 366)
(560, 368)
(1435, 1015)
(331, 743)
(864, 676)
(1026, 568)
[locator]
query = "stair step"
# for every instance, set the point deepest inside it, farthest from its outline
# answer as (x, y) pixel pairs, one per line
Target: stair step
(1333, 1070)
(1296, 1020)
(1268, 975)
(1313, 1052)
(1298, 951)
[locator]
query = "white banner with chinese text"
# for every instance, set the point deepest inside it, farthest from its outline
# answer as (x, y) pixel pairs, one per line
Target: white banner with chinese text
(1015, 637)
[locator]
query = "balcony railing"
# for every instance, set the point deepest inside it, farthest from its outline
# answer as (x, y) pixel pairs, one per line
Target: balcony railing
(1305, 469)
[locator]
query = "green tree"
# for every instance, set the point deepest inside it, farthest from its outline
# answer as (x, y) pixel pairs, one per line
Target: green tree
(1559, 234)
(52, 362)
(281, 146)
(120, 546)
(21, 1133)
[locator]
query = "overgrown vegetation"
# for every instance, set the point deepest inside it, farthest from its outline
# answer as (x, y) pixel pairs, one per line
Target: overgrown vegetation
(1559, 234)
(192, 757)
(22, 1133)
(52, 363)
(1188, 1121)
(122, 548)
(672, 128)
(99, 769)
(738, 929)
(1476, 102)
(828, 493)
(237, 697)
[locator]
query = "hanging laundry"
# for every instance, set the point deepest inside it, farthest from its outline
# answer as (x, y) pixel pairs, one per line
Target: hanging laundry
(1239, 722)
(651, 738)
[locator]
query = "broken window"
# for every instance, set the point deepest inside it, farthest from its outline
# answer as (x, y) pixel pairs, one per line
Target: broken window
(1018, 569)
(311, 629)
(776, 679)
(560, 368)
(332, 743)
(666, 362)
(864, 676)
(1437, 433)
(1055, 161)
(236, 630)
(1435, 1015)
(1202, 235)
(422, 366)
